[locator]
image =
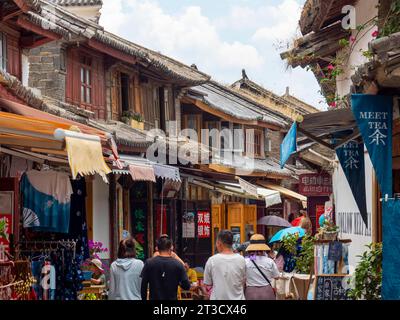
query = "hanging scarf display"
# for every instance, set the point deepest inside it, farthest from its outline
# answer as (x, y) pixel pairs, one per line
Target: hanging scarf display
(46, 201)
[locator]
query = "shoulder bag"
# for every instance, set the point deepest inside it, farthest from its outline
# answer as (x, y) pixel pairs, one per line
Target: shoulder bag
(264, 276)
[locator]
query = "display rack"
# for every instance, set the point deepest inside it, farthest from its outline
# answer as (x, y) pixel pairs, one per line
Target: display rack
(331, 276)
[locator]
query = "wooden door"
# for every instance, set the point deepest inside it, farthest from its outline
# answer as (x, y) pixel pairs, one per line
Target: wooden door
(250, 219)
(235, 222)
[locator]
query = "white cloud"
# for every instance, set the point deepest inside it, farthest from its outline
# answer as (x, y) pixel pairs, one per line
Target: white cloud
(266, 21)
(188, 35)
(242, 36)
(285, 17)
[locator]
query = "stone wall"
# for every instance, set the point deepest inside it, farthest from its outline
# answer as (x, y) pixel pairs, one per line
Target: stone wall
(276, 138)
(47, 70)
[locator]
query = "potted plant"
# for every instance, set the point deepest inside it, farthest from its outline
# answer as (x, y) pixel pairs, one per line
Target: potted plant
(134, 119)
(302, 252)
(366, 281)
(329, 231)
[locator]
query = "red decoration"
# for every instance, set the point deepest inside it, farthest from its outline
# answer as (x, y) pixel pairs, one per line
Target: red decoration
(5, 241)
(203, 224)
(320, 210)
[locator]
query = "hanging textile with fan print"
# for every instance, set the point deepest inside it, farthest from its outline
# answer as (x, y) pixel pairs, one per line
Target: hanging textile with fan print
(46, 201)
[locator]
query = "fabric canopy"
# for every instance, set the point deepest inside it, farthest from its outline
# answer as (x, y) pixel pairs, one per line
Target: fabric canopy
(142, 173)
(271, 197)
(149, 170)
(30, 127)
(31, 113)
(286, 192)
(166, 172)
(85, 153)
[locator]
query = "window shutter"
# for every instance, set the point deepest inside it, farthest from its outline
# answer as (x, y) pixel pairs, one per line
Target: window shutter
(115, 92)
(250, 142)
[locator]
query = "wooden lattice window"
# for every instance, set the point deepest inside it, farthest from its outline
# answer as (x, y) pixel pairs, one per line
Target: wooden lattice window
(86, 80)
(254, 143)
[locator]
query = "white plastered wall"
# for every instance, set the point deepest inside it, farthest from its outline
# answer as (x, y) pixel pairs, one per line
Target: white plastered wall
(344, 201)
(101, 215)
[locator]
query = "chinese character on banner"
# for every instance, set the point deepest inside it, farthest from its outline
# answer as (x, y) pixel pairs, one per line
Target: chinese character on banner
(315, 184)
(203, 224)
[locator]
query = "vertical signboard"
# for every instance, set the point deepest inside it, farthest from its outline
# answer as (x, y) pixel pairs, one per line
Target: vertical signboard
(203, 224)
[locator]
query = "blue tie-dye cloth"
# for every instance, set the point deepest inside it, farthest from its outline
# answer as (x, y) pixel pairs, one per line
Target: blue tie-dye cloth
(42, 212)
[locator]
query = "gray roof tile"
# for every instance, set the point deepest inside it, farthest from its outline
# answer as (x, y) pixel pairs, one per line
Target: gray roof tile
(78, 2)
(68, 24)
(231, 103)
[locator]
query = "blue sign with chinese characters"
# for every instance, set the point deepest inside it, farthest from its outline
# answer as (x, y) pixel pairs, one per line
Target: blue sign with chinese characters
(289, 145)
(374, 116)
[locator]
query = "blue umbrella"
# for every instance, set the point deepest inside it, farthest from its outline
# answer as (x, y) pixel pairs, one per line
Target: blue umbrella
(284, 232)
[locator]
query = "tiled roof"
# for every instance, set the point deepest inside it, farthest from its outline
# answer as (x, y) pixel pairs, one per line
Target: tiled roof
(69, 26)
(231, 103)
(268, 165)
(78, 2)
(278, 99)
(123, 134)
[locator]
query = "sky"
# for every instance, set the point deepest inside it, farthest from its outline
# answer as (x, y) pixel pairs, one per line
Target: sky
(221, 37)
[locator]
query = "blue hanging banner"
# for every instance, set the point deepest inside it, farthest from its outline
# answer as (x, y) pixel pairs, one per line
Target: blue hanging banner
(374, 116)
(289, 144)
(391, 250)
(351, 157)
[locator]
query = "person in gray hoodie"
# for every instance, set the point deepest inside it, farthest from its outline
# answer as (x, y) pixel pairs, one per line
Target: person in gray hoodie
(125, 280)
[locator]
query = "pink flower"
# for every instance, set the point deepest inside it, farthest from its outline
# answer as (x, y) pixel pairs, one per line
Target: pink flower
(333, 104)
(375, 33)
(352, 39)
(331, 67)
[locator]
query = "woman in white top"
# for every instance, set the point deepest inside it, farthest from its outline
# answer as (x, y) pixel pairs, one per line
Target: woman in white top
(260, 270)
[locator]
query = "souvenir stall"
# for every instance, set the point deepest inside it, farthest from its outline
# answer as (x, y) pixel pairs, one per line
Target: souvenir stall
(331, 270)
(43, 164)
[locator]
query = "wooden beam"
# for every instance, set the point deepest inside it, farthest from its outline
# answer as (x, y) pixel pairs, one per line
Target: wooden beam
(353, 136)
(11, 15)
(112, 52)
(31, 42)
(326, 6)
(49, 151)
(206, 108)
(23, 23)
(314, 138)
(222, 169)
(22, 5)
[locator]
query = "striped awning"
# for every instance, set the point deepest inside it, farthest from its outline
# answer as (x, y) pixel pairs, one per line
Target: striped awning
(145, 170)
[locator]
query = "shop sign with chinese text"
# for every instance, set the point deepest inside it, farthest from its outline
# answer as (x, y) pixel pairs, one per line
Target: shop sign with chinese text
(315, 184)
(203, 224)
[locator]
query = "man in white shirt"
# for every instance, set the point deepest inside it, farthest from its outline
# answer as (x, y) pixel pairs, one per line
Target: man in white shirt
(226, 271)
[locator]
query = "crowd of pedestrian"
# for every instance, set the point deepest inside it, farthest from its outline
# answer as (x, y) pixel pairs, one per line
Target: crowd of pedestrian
(243, 274)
